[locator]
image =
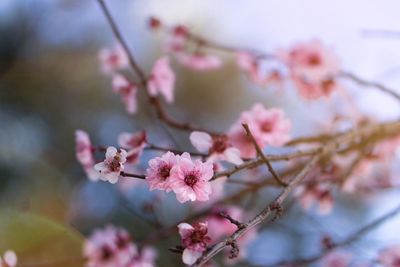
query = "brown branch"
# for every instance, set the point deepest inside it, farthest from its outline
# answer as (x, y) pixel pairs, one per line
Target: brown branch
(133, 175)
(232, 220)
(260, 153)
(349, 240)
(376, 85)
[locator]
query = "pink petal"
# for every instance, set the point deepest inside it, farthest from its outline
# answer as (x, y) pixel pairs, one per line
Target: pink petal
(190, 256)
(232, 155)
(201, 141)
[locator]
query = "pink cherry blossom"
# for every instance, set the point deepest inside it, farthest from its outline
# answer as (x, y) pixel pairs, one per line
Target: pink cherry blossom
(218, 147)
(162, 80)
(84, 154)
(268, 127)
(190, 179)
(248, 63)
(218, 226)
(319, 194)
(127, 90)
(194, 240)
(337, 259)
(134, 143)
(109, 247)
(146, 258)
(113, 59)
(111, 167)
(9, 259)
(177, 39)
(199, 61)
(314, 90)
(159, 171)
(311, 60)
(390, 256)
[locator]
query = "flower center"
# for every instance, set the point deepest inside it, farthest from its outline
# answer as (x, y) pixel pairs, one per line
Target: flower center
(115, 165)
(122, 241)
(113, 59)
(314, 60)
(164, 171)
(267, 126)
(191, 179)
(106, 253)
(219, 144)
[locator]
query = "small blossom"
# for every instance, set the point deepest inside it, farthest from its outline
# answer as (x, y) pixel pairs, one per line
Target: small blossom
(111, 167)
(219, 226)
(146, 258)
(159, 171)
(9, 259)
(190, 179)
(109, 247)
(268, 127)
(199, 61)
(319, 194)
(113, 59)
(194, 240)
(218, 147)
(134, 143)
(84, 154)
(127, 90)
(390, 256)
(162, 80)
(312, 67)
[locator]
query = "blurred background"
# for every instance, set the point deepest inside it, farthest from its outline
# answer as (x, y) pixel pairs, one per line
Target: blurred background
(50, 85)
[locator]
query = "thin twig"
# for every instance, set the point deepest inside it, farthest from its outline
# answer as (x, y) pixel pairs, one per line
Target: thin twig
(262, 156)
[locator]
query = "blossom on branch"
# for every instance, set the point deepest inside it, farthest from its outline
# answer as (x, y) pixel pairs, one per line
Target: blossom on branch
(111, 167)
(159, 171)
(127, 91)
(190, 179)
(134, 143)
(162, 80)
(113, 59)
(268, 127)
(218, 147)
(194, 241)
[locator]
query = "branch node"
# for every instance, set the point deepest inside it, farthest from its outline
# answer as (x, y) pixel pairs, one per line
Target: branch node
(234, 253)
(232, 220)
(277, 209)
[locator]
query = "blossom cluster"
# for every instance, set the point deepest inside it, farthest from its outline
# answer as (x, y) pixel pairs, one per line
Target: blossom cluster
(112, 247)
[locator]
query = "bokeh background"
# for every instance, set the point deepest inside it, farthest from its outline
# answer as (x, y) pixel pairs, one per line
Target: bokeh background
(50, 85)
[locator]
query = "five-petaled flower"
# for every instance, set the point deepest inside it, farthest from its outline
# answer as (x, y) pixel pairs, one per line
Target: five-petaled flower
(113, 59)
(190, 179)
(159, 171)
(110, 169)
(194, 241)
(127, 90)
(218, 147)
(162, 80)
(109, 247)
(268, 127)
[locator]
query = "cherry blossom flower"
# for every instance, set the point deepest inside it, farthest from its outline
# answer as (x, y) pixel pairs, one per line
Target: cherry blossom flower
(218, 226)
(268, 127)
(159, 171)
(390, 256)
(162, 80)
(199, 61)
(311, 60)
(312, 67)
(134, 143)
(84, 154)
(127, 90)
(217, 147)
(177, 39)
(248, 63)
(111, 167)
(109, 247)
(9, 259)
(194, 240)
(190, 179)
(113, 59)
(337, 259)
(319, 194)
